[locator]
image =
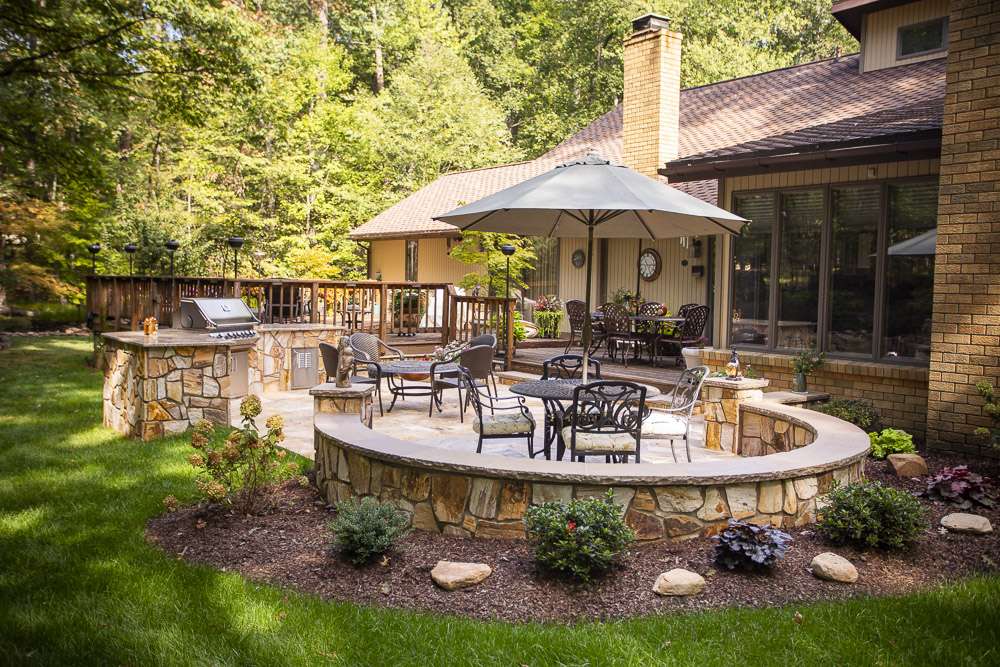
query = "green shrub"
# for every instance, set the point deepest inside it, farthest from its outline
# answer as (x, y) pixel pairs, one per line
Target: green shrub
(860, 413)
(870, 515)
(581, 538)
(891, 441)
(367, 528)
(749, 546)
(15, 324)
(246, 464)
(548, 322)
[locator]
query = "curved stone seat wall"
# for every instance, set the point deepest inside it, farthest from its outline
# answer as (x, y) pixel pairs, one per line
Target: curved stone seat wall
(464, 493)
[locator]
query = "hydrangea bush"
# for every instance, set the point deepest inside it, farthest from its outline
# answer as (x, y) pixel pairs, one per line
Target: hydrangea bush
(245, 464)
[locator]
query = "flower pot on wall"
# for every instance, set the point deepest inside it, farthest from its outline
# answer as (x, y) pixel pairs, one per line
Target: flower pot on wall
(800, 383)
(692, 356)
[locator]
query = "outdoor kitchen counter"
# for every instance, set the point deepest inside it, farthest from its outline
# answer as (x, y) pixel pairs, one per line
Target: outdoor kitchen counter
(163, 384)
(176, 338)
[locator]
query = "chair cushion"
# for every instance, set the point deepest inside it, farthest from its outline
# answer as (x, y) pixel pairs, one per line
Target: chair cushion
(503, 424)
(664, 426)
(603, 443)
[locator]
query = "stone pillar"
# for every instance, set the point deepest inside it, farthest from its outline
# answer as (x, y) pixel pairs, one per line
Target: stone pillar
(965, 337)
(721, 399)
(328, 398)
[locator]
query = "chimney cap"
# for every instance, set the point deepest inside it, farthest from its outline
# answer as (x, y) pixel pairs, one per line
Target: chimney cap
(650, 22)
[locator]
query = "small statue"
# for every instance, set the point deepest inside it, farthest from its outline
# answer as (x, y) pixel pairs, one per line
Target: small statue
(150, 326)
(733, 367)
(345, 362)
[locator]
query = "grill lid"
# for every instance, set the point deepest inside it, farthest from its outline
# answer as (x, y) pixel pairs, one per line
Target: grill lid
(220, 314)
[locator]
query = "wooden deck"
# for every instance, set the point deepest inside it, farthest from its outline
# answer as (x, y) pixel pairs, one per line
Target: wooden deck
(530, 361)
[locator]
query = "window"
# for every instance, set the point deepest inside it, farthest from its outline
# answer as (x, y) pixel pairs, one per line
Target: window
(752, 269)
(854, 219)
(543, 279)
(920, 38)
(411, 261)
(853, 273)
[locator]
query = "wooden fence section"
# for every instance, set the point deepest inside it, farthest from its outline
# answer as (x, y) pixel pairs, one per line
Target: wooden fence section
(382, 308)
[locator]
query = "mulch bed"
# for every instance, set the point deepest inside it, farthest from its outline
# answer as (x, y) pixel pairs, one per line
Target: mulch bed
(289, 546)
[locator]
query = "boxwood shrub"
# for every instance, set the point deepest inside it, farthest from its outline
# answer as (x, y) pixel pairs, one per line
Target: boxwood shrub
(870, 515)
(366, 528)
(581, 538)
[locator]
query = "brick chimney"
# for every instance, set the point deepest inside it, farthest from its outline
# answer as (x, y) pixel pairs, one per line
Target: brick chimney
(651, 96)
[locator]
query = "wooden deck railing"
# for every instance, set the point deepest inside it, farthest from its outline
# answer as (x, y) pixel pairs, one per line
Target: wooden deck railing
(382, 308)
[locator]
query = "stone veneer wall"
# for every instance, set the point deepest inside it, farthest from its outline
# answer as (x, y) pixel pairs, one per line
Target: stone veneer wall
(469, 504)
(763, 432)
(899, 392)
(965, 336)
(181, 386)
(270, 362)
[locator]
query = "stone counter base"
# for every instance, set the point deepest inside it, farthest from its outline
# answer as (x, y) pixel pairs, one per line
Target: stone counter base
(473, 505)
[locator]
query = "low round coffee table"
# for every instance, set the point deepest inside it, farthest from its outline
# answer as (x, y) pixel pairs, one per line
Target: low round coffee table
(552, 393)
(398, 371)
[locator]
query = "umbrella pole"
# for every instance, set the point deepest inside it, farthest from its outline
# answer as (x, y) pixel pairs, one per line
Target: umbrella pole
(587, 329)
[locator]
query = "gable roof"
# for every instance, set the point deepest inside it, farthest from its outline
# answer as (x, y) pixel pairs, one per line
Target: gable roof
(827, 101)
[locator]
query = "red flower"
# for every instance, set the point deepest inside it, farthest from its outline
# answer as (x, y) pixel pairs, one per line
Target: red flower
(571, 526)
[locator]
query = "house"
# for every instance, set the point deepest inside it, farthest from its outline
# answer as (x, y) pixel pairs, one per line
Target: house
(871, 181)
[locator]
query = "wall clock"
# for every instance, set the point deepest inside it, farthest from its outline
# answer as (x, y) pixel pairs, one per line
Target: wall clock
(650, 265)
(579, 258)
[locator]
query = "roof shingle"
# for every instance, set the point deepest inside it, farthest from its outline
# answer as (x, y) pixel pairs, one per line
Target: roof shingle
(821, 102)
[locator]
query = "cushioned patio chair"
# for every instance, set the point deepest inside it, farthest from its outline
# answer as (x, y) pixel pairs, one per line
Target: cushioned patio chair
(369, 351)
(673, 422)
(513, 421)
(605, 420)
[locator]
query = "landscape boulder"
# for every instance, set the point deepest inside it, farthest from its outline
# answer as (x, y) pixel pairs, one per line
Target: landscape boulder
(679, 582)
(831, 567)
(908, 465)
(452, 575)
(960, 522)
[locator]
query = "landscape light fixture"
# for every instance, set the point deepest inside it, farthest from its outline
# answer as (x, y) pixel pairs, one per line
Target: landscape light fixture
(508, 250)
(93, 249)
(172, 247)
(130, 249)
(236, 242)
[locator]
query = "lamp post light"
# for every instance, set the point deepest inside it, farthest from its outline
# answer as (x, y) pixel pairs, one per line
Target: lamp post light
(508, 250)
(93, 249)
(172, 247)
(236, 242)
(130, 249)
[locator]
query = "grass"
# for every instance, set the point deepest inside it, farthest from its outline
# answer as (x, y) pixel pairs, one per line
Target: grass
(78, 583)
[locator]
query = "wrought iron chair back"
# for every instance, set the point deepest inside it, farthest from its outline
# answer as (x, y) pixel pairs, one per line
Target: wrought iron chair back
(651, 308)
(616, 319)
(683, 310)
(576, 310)
(685, 393)
(694, 323)
(569, 367)
(609, 407)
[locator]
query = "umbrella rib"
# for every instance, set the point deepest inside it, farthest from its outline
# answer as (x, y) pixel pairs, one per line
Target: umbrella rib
(645, 226)
(555, 224)
(574, 216)
(478, 220)
(716, 222)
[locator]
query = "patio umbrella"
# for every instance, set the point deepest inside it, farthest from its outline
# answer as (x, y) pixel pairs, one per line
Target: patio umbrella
(922, 244)
(593, 198)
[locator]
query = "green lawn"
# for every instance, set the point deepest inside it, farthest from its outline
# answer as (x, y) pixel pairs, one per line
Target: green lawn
(78, 584)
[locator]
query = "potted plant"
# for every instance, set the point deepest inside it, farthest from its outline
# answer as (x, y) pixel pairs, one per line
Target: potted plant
(805, 364)
(548, 316)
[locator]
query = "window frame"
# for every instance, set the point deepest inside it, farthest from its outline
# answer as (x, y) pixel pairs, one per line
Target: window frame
(943, 20)
(824, 313)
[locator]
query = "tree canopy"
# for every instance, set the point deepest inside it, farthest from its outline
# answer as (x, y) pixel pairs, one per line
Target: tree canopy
(289, 122)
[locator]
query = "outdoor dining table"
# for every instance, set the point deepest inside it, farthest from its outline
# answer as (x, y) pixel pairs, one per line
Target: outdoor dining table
(396, 373)
(644, 319)
(553, 392)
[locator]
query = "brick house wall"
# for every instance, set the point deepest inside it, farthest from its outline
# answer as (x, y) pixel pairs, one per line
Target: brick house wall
(965, 339)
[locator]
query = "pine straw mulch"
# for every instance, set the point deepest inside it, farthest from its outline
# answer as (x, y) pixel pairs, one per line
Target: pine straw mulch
(289, 545)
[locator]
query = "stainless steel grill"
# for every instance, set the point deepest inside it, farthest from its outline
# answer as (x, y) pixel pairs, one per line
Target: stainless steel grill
(221, 318)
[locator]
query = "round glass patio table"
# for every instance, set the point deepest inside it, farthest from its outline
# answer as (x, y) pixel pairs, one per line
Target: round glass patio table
(552, 393)
(396, 372)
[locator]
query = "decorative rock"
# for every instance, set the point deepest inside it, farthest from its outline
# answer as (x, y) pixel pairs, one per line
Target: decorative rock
(679, 582)
(961, 522)
(451, 575)
(908, 465)
(831, 567)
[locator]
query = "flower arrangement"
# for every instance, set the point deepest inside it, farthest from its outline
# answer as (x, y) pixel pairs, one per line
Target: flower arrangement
(247, 462)
(548, 315)
(449, 351)
(805, 364)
